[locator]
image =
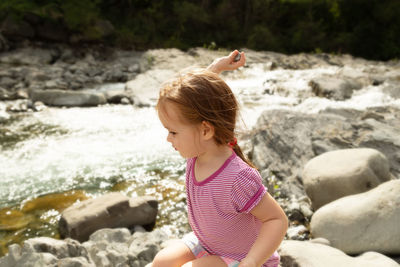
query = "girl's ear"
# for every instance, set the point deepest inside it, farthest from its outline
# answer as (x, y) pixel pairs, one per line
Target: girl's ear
(207, 130)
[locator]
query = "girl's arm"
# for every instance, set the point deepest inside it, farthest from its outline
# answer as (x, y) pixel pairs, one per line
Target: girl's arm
(227, 63)
(272, 232)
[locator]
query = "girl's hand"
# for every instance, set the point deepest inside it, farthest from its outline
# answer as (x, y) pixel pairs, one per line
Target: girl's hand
(247, 262)
(227, 63)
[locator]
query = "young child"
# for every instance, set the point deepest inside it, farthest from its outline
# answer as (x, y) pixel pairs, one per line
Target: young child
(235, 222)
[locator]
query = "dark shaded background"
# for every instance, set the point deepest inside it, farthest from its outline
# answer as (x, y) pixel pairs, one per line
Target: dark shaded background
(366, 28)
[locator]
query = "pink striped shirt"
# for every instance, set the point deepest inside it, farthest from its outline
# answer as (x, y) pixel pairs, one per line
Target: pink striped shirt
(219, 208)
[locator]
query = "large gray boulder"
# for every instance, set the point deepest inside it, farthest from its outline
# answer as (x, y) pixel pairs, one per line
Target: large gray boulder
(367, 221)
(339, 173)
(112, 210)
(284, 141)
(334, 87)
(68, 98)
(310, 254)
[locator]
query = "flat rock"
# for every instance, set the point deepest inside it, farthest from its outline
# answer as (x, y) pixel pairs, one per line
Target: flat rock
(68, 98)
(112, 210)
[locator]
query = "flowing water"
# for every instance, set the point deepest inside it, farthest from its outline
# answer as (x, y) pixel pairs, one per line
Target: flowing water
(71, 154)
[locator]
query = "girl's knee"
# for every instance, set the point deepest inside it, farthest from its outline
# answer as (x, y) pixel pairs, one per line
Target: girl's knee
(175, 255)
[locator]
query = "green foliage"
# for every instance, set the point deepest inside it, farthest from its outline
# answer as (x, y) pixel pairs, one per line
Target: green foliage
(261, 38)
(79, 13)
(369, 29)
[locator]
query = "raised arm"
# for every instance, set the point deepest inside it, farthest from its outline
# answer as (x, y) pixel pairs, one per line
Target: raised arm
(227, 63)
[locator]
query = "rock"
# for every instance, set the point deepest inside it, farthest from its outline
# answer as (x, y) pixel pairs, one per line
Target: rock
(116, 247)
(4, 116)
(367, 221)
(106, 247)
(297, 232)
(144, 246)
(74, 262)
(339, 173)
(112, 210)
(144, 84)
(18, 106)
(68, 98)
(38, 106)
(117, 97)
(120, 235)
(282, 142)
(308, 254)
(108, 254)
(334, 88)
(28, 56)
(30, 260)
(13, 256)
(59, 248)
(320, 240)
(393, 90)
(7, 82)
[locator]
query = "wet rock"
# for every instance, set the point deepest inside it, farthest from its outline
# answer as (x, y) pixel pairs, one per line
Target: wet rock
(363, 222)
(108, 211)
(339, 173)
(309, 254)
(334, 88)
(67, 98)
(392, 89)
(11, 219)
(117, 97)
(56, 201)
(18, 106)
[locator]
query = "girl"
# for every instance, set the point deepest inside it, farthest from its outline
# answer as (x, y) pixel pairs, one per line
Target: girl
(235, 222)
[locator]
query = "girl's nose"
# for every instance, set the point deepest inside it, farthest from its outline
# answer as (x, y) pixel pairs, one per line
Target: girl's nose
(169, 138)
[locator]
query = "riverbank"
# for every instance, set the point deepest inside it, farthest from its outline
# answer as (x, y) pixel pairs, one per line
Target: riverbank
(296, 108)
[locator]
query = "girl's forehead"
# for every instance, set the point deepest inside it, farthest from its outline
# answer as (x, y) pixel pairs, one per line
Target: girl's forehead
(168, 111)
(169, 114)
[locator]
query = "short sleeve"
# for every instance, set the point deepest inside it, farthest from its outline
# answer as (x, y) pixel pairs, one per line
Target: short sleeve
(247, 190)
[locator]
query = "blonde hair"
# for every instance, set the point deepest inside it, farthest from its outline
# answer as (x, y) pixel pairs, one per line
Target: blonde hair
(201, 95)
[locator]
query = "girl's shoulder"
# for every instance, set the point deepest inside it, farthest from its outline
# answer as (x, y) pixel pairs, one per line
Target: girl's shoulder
(242, 167)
